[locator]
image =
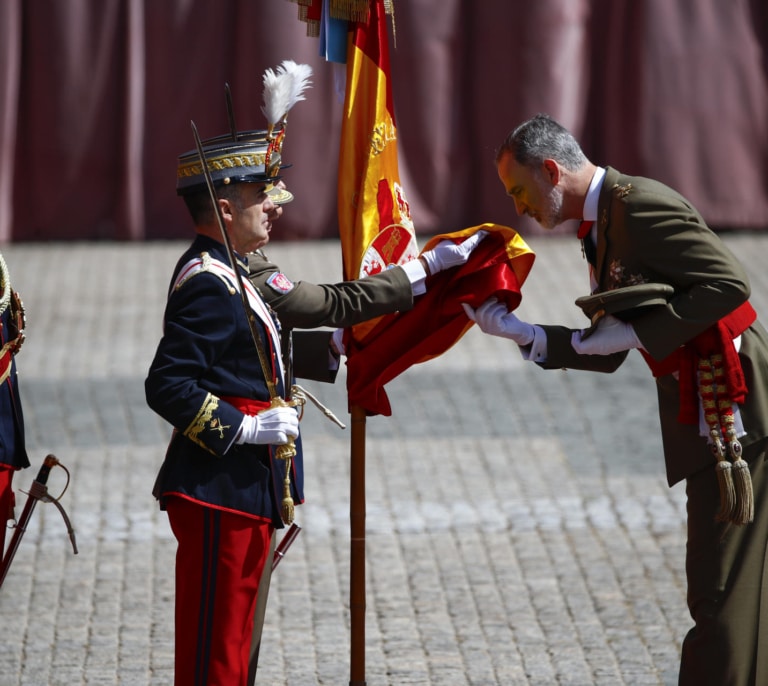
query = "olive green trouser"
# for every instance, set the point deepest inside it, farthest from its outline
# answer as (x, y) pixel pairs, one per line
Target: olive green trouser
(727, 571)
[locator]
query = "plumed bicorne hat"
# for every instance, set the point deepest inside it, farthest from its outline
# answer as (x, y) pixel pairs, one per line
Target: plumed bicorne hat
(249, 156)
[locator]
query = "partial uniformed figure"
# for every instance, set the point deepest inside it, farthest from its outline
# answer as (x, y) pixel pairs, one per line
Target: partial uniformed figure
(13, 453)
(698, 333)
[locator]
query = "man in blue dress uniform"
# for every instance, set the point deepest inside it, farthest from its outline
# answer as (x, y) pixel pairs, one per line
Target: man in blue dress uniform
(221, 483)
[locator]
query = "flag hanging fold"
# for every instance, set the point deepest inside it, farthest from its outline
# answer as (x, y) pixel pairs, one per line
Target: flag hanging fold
(375, 224)
(497, 267)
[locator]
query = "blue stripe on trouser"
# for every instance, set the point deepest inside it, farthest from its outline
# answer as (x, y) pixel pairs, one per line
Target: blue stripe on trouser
(211, 537)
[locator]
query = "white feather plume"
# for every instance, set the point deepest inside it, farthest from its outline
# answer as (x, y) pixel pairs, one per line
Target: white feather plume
(283, 88)
(300, 74)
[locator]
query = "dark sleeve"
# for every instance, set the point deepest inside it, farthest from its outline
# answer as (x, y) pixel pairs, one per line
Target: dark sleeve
(200, 323)
(672, 243)
(561, 355)
(312, 356)
(308, 306)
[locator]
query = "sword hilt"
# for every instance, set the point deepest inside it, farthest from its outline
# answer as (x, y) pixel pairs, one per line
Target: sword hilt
(287, 450)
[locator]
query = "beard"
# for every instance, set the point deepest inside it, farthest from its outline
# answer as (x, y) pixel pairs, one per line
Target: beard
(551, 212)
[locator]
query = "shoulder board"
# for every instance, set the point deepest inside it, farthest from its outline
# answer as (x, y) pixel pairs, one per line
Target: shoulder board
(203, 263)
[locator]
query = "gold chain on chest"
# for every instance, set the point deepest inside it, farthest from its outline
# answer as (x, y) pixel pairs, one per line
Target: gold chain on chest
(5, 286)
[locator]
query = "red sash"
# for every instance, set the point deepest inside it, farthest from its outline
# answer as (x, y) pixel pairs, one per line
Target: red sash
(717, 339)
(247, 405)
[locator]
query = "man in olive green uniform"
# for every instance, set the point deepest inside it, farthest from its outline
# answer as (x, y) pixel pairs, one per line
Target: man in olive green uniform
(639, 234)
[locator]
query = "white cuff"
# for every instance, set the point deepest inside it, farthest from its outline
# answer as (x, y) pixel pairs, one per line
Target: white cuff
(417, 275)
(536, 351)
(337, 342)
(248, 429)
(638, 344)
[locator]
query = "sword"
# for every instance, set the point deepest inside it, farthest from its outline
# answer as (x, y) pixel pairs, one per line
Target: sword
(261, 600)
(38, 491)
(288, 450)
(285, 543)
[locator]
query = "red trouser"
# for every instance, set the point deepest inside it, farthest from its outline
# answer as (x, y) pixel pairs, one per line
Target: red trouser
(6, 502)
(219, 561)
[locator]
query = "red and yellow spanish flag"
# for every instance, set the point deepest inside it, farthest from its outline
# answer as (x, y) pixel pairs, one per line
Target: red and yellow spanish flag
(375, 224)
(497, 268)
(376, 231)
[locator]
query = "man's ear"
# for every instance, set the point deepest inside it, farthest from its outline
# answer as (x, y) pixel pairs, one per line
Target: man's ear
(226, 208)
(551, 171)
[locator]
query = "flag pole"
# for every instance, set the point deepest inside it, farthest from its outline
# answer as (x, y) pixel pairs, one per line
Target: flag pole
(357, 508)
(369, 201)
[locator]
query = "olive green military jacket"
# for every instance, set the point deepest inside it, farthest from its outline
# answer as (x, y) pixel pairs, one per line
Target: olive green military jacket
(304, 305)
(648, 233)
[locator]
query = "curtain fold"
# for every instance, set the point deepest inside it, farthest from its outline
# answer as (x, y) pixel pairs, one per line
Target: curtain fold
(10, 71)
(96, 98)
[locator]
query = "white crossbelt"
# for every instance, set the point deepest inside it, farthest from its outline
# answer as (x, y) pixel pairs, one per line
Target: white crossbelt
(206, 263)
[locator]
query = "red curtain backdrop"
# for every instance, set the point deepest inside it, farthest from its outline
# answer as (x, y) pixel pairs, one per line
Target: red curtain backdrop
(96, 97)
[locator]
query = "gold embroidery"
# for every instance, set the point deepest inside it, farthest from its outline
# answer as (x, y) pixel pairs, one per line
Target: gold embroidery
(221, 163)
(618, 278)
(382, 134)
(204, 416)
(616, 273)
(622, 191)
(216, 425)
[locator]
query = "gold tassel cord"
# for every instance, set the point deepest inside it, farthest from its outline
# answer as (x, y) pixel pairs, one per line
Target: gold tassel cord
(286, 452)
(744, 510)
(287, 511)
(742, 479)
(723, 466)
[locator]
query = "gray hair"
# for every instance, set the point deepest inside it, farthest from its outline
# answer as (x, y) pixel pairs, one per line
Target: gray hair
(540, 138)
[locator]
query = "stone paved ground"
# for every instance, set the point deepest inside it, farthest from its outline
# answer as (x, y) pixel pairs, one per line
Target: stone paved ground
(519, 527)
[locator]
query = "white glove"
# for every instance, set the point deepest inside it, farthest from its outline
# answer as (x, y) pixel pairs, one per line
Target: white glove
(492, 317)
(611, 336)
(447, 254)
(273, 426)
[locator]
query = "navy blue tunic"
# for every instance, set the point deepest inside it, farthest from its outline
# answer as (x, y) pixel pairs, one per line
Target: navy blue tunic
(207, 354)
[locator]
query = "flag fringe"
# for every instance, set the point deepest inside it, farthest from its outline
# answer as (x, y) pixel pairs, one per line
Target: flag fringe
(351, 10)
(313, 25)
(347, 10)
